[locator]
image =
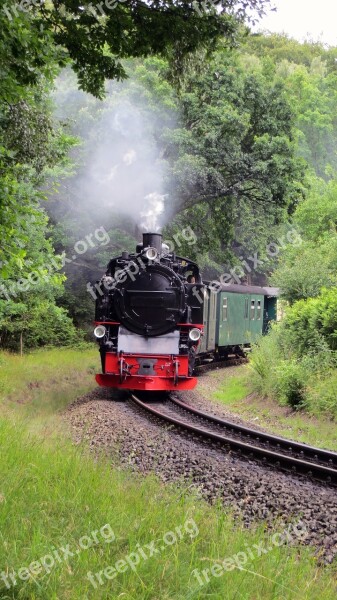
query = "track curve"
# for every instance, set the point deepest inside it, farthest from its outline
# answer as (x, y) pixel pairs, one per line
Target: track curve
(279, 452)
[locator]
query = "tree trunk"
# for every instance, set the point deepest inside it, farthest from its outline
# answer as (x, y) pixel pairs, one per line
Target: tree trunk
(21, 344)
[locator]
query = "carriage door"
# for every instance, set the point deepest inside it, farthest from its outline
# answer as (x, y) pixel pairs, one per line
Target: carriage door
(256, 316)
(212, 322)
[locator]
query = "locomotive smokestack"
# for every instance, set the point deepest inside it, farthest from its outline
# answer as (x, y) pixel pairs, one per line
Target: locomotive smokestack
(154, 240)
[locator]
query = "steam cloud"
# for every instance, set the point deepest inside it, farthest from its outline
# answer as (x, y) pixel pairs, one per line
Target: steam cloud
(154, 204)
(122, 172)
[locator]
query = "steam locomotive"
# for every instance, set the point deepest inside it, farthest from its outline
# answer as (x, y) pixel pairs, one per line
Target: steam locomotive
(148, 321)
(152, 310)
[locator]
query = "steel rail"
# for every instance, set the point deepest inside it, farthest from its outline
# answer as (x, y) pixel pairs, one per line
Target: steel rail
(220, 364)
(282, 461)
(274, 440)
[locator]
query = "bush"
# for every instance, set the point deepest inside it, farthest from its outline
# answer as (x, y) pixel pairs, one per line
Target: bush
(42, 324)
(290, 378)
(296, 362)
(312, 324)
(273, 375)
(50, 325)
(322, 395)
(264, 358)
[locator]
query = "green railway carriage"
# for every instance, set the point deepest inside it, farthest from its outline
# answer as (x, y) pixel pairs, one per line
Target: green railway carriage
(235, 316)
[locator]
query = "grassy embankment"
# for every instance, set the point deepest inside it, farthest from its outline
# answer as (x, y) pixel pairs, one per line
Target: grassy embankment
(53, 494)
(42, 383)
(233, 387)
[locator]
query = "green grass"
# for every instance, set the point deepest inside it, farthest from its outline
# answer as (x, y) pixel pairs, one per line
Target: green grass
(52, 495)
(322, 395)
(232, 388)
(44, 382)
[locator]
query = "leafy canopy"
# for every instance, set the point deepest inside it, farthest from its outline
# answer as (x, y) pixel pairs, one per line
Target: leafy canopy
(233, 158)
(97, 35)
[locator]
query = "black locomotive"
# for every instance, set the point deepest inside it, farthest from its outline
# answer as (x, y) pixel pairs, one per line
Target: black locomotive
(149, 319)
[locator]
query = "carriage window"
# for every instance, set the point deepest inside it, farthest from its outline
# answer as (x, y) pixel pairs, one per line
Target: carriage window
(224, 309)
(258, 310)
(246, 308)
(252, 310)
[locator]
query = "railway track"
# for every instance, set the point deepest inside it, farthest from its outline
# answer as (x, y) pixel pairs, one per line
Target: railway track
(220, 364)
(287, 455)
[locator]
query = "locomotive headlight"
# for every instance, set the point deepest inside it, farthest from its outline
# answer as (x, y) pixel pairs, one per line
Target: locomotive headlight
(99, 331)
(151, 253)
(195, 334)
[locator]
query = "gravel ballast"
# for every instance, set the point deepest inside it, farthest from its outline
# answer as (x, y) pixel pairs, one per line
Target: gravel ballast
(107, 421)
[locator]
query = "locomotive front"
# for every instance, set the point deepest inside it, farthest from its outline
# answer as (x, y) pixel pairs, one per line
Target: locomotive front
(149, 319)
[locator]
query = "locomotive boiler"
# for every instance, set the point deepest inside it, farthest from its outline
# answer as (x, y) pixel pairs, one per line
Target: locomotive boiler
(149, 319)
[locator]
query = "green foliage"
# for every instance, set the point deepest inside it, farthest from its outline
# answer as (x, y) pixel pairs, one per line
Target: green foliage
(317, 216)
(311, 323)
(322, 394)
(227, 141)
(50, 325)
(233, 158)
(308, 73)
(276, 373)
(265, 352)
(32, 148)
(31, 281)
(290, 383)
(27, 52)
(96, 37)
(278, 47)
(36, 321)
(297, 360)
(36, 41)
(303, 270)
(241, 128)
(224, 146)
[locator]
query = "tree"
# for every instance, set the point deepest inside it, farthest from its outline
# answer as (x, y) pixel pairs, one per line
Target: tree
(213, 131)
(31, 146)
(233, 156)
(98, 35)
(94, 37)
(303, 271)
(308, 73)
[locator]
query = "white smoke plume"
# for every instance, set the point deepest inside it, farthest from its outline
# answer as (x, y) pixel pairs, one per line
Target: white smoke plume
(154, 207)
(121, 171)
